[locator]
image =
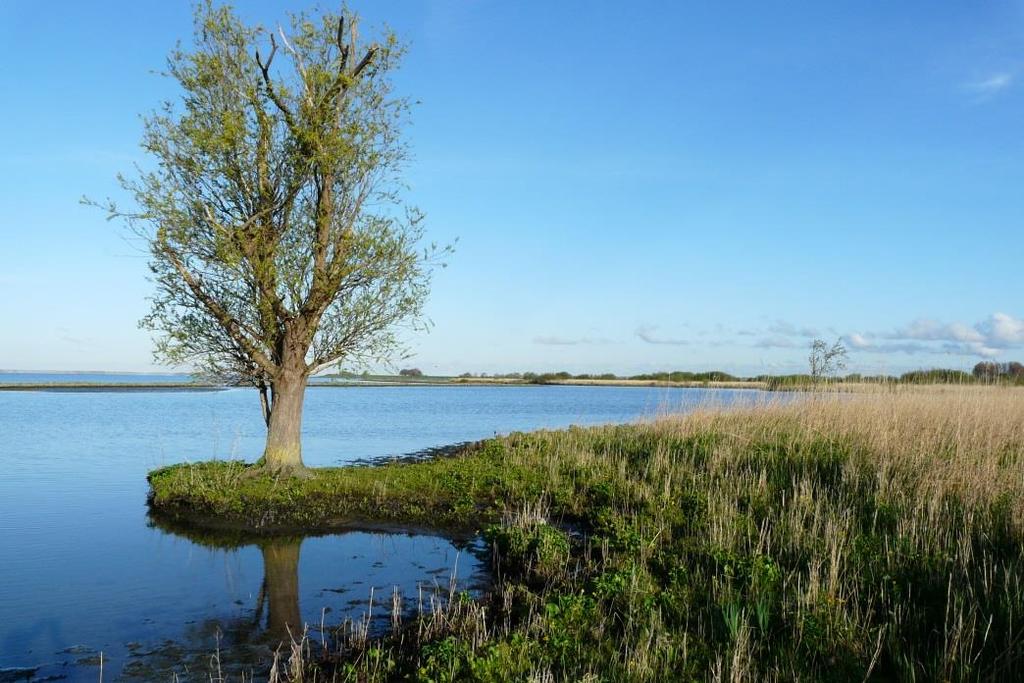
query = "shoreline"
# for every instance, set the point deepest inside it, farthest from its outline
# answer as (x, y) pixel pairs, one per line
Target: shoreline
(100, 387)
(457, 382)
(690, 519)
(407, 494)
(205, 529)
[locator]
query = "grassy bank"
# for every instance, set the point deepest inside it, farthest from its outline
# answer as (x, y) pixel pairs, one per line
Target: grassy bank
(461, 492)
(867, 536)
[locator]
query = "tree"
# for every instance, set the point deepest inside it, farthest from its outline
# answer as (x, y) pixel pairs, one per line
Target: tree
(826, 360)
(410, 372)
(279, 240)
(987, 371)
(990, 371)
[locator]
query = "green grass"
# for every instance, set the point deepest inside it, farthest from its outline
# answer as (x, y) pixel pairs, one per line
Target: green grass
(874, 537)
(461, 492)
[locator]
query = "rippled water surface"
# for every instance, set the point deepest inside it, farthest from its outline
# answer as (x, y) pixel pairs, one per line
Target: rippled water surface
(83, 571)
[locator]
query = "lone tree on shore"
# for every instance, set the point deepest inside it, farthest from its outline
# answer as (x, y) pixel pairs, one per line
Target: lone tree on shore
(280, 244)
(824, 360)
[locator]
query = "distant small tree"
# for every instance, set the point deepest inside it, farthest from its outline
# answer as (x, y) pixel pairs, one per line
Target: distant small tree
(280, 244)
(825, 360)
(411, 372)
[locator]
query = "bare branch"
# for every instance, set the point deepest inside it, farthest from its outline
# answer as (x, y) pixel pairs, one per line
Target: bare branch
(364, 62)
(287, 45)
(268, 84)
(265, 68)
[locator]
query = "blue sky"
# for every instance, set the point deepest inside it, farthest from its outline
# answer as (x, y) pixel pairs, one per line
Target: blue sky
(633, 186)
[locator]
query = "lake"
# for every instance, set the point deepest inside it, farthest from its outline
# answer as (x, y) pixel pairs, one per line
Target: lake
(83, 571)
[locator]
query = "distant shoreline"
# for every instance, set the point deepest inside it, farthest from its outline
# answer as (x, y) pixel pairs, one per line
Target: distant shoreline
(397, 382)
(74, 387)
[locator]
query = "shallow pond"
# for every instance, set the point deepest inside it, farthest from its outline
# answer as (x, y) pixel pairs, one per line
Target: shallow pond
(84, 571)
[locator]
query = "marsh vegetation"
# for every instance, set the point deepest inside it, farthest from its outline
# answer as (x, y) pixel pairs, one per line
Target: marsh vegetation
(868, 536)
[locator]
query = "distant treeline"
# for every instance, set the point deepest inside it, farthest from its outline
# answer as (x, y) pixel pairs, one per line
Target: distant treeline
(982, 373)
(676, 376)
(799, 380)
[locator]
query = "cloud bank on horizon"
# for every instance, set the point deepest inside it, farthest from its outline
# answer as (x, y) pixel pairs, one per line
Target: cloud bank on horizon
(998, 336)
(989, 338)
(995, 336)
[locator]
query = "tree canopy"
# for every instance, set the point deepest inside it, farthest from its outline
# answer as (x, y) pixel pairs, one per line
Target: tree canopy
(280, 240)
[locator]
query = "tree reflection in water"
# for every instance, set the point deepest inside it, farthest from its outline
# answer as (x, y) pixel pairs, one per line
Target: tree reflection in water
(280, 591)
(231, 645)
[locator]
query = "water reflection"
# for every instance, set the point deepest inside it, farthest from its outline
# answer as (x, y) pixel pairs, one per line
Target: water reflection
(332, 585)
(83, 574)
(280, 591)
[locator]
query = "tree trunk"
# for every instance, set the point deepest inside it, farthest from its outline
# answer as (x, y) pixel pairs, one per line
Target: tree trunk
(283, 452)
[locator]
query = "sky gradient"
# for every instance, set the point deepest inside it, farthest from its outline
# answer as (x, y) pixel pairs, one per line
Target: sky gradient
(632, 187)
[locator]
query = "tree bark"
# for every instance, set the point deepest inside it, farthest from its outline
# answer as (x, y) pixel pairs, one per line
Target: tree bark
(283, 452)
(265, 403)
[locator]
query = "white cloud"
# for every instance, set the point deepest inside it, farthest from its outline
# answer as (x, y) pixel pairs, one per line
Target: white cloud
(992, 337)
(777, 342)
(549, 340)
(858, 341)
(787, 329)
(647, 334)
(990, 85)
(924, 329)
(970, 349)
(1003, 329)
(961, 332)
(555, 341)
(989, 338)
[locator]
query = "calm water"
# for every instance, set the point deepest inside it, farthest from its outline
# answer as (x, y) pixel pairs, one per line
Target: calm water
(82, 571)
(91, 378)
